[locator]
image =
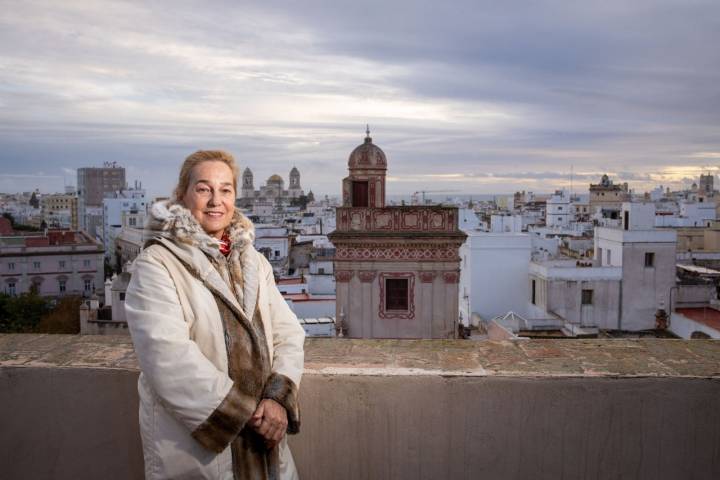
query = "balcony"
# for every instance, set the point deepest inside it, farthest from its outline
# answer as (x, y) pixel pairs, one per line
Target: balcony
(421, 220)
(389, 409)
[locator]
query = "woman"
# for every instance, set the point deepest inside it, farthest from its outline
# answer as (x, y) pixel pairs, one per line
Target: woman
(221, 353)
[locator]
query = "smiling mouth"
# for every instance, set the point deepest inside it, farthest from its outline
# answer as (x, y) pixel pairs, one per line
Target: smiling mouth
(214, 214)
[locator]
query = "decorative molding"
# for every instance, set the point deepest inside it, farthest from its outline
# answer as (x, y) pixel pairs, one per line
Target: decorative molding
(397, 314)
(366, 276)
(427, 277)
(343, 276)
(395, 219)
(451, 277)
(400, 253)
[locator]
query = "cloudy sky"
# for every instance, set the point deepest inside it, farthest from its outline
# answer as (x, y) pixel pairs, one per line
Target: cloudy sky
(463, 96)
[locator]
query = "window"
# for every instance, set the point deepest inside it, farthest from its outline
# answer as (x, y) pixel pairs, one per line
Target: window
(397, 294)
(649, 259)
(122, 296)
(360, 194)
(86, 263)
(61, 286)
(533, 298)
(36, 265)
(87, 285)
(11, 266)
(10, 288)
(609, 257)
(62, 263)
(587, 297)
(132, 222)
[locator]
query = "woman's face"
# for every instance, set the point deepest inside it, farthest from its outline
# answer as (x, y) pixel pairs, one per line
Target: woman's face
(210, 196)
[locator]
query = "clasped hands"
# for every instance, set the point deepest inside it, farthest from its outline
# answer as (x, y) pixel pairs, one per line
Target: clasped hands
(269, 421)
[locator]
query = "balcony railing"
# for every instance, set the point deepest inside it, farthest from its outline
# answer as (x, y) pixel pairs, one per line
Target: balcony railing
(408, 219)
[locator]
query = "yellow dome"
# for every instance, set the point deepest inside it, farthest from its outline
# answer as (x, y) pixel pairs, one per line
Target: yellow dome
(275, 179)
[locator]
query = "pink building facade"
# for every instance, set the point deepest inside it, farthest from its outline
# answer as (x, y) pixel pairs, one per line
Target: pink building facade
(396, 267)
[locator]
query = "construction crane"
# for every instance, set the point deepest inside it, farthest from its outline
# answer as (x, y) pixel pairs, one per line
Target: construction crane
(432, 191)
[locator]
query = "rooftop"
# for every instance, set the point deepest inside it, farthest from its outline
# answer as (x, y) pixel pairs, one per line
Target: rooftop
(393, 409)
(705, 315)
(547, 358)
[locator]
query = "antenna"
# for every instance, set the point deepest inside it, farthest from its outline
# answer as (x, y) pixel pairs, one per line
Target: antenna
(571, 183)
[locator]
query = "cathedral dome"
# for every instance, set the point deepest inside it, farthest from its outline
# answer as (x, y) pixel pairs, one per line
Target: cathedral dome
(367, 155)
(275, 179)
(294, 171)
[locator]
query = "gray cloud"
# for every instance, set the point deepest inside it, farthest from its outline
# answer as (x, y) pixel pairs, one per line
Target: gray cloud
(463, 86)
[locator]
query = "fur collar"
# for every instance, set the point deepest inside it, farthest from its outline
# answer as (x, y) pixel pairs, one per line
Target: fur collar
(174, 222)
(171, 222)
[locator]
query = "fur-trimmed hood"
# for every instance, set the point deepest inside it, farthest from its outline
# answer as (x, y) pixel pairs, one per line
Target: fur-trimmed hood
(172, 221)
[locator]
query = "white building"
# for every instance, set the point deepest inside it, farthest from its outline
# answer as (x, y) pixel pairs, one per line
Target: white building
(130, 203)
(318, 327)
(557, 210)
(296, 293)
(647, 257)
(272, 241)
(493, 274)
(628, 280)
(698, 214)
(505, 223)
(582, 298)
(688, 214)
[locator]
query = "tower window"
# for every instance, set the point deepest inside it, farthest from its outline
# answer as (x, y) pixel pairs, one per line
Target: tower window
(397, 294)
(649, 259)
(360, 194)
(587, 297)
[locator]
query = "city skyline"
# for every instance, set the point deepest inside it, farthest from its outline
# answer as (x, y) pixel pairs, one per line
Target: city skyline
(466, 97)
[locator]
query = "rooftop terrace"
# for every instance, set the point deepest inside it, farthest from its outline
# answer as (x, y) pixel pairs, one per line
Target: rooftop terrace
(376, 409)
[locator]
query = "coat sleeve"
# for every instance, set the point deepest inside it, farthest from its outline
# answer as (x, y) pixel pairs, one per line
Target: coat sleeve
(288, 353)
(186, 382)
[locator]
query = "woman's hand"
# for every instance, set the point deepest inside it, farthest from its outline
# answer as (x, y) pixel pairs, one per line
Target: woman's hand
(270, 421)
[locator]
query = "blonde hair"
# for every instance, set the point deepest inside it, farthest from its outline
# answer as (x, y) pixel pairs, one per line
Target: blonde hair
(197, 158)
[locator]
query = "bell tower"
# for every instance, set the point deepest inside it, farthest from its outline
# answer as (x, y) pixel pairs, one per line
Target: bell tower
(365, 184)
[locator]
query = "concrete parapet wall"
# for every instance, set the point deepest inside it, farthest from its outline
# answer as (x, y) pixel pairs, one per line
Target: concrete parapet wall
(398, 409)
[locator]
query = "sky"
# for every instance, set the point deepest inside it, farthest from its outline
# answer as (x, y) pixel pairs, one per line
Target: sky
(473, 97)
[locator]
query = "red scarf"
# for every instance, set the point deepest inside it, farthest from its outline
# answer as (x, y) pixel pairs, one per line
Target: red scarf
(225, 244)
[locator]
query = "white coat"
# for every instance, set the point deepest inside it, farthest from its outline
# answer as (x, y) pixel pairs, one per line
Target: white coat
(179, 341)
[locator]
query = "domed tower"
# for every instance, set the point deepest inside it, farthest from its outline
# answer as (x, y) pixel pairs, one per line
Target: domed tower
(393, 263)
(294, 190)
(247, 190)
(365, 185)
(275, 184)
